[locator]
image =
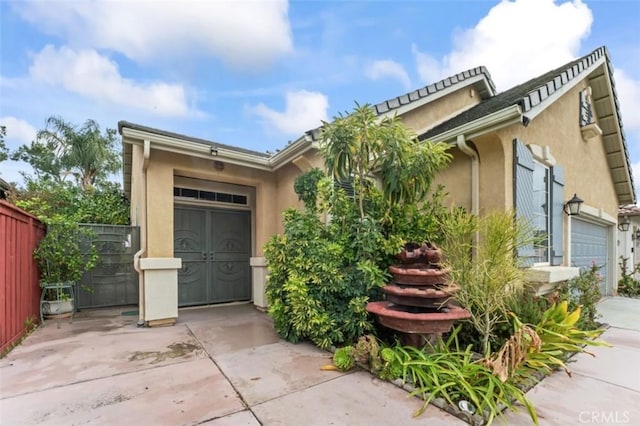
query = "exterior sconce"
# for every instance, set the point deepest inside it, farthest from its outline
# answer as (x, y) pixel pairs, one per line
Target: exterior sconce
(572, 207)
(624, 225)
(636, 235)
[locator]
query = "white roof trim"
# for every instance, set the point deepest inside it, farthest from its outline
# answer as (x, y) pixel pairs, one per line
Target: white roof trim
(437, 95)
(566, 87)
(482, 125)
(196, 149)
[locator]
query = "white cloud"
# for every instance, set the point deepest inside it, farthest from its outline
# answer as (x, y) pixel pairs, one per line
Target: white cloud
(303, 111)
(19, 132)
(539, 33)
(635, 169)
(429, 69)
(243, 34)
(388, 68)
(94, 76)
(628, 91)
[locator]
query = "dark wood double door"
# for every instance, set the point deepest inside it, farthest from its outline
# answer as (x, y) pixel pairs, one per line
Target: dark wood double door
(215, 248)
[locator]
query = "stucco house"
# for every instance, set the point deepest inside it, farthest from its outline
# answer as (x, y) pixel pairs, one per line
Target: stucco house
(206, 209)
(628, 237)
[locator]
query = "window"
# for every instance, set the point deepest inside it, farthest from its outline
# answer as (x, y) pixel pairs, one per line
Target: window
(539, 200)
(540, 212)
(586, 108)
(220, 197)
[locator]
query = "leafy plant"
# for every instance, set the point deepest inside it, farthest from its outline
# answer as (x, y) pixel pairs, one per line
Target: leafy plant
(65, 253)
(584, 291)
(560, 335)
(487, 267)
(323, 274)
(628, 285)
(104, 204)
(359, 146)
(446, 371)
(344, 359)
(306, 186)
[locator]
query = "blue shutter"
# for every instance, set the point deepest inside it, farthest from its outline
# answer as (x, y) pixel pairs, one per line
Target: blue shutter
(523, 194)
(555, 213)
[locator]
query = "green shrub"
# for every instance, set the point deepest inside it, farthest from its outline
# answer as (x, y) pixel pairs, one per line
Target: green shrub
(628, 285)
(318, 286)
(584, 291)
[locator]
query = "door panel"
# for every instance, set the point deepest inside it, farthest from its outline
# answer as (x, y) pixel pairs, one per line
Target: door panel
(191, 247)
(215, 247)
(231, 242)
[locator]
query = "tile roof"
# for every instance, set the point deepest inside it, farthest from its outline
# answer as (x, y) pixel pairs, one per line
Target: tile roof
(528, 94)
(538, 91)
(629, 210)
(430, 90)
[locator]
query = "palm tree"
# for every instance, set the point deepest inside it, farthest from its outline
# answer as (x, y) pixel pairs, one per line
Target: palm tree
(63, 149)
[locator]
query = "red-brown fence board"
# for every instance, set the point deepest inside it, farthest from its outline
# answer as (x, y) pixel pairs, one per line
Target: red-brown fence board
(20, 233)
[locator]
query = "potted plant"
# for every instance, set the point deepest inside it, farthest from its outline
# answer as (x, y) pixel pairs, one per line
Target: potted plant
(64, 254)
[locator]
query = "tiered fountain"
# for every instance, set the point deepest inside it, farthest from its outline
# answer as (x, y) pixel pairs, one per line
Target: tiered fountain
(419, 300)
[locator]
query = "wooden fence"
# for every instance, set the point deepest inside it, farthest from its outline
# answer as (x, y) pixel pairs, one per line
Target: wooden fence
(20, 233)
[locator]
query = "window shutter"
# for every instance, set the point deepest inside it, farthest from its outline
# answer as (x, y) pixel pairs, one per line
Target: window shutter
(557, 221)
(346, 185)
(523, 194)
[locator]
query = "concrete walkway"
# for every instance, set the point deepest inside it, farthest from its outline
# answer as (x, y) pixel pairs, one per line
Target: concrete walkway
(226, 366)
(604, 389)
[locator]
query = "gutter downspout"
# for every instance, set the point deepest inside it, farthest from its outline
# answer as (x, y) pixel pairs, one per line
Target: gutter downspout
(143, 233)
(461, 142)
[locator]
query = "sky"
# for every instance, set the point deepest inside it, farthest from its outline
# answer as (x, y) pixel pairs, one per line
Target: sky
(257, 74)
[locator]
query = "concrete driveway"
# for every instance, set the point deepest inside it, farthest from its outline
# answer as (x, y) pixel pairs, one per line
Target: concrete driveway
(226, 366)
(216, 366)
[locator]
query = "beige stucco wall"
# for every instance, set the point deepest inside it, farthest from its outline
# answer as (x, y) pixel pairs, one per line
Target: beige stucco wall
(495, 174)
(163, 166)
(456, 179)
(585, 163)
(435, 112)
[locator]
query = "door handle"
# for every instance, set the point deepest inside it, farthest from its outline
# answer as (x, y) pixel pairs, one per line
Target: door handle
(212, 255)
(204, 255)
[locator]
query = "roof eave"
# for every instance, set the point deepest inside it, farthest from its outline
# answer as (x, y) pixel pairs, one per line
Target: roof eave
(488, 123)
(195, 149)
(292, 151)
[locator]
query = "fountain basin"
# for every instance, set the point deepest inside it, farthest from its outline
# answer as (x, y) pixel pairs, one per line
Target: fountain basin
(418, 274)
(407, 320)
(428, 297)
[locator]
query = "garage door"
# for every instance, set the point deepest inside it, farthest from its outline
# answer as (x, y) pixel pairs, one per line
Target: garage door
(215, 248)
(590, 243)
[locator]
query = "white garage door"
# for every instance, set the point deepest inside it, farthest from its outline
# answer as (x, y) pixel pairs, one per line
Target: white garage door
(590, 243)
